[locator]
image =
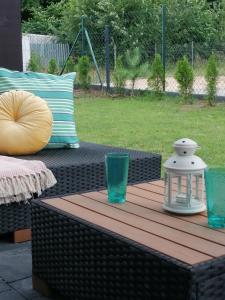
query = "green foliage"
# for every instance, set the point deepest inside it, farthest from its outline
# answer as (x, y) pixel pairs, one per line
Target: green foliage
(120, 75)
(138, 23)
(83, 69)
(156, 78)
(27, 8)
(53, 67)
(192, 20)
(45, 3)
(219, 8)
(185, 78)
(70, 66)
(211, 78)
(135, 68)
(45, 20)
(34, 63)
(132, 23)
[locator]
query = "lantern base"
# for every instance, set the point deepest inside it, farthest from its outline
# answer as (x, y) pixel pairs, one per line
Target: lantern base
(178, 209)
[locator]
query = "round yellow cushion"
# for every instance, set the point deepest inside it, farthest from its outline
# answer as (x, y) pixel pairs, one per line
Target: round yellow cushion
(25, 123)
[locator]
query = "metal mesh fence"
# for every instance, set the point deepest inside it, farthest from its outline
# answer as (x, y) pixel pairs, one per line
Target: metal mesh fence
(96, 44)
(197, 54)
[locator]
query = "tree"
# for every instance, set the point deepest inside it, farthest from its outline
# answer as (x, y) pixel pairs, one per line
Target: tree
(46, 3)
(27, 8)
(120, 75)
(185, 77)
(156, 78)
(83, 69)
(135, 68)
(211, 78)
(52, 66)
(138, 23)
(190, 20)
(34, 63)
(127, 20)
(70, 66)
(45, 20)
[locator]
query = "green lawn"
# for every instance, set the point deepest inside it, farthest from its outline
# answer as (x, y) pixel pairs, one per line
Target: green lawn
(152, 125)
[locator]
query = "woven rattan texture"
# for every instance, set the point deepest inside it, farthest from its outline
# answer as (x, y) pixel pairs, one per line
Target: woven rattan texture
(82, 170)
(82, 261)
(14, 216)
(78, 170)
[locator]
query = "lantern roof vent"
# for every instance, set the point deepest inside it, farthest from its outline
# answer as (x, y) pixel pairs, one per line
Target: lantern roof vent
(184, 159)
(185, 147)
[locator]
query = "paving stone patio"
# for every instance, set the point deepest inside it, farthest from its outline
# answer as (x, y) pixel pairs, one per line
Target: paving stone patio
(15, 272)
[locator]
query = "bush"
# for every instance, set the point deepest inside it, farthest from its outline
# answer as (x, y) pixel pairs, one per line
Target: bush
(34, 63)
(53, 67)
(156, 78)
(134, 67)
(119, 75)
(83, 69)
(70, 66)
(211, 78)
(185, 78)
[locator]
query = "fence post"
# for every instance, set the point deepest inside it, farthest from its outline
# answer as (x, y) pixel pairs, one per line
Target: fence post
(192, 54)
(114, 54)
(155, 49)
(107, 58)
(82, 35)
(164, 44)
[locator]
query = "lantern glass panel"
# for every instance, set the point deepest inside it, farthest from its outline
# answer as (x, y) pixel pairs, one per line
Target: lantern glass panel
(184, 190)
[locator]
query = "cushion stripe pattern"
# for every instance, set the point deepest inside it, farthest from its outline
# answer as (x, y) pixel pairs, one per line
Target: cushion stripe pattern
(57, 91)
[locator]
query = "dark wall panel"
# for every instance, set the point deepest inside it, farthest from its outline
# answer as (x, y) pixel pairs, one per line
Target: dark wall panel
(10, 35)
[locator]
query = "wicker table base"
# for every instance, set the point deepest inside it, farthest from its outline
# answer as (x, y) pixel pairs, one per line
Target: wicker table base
(85, 248)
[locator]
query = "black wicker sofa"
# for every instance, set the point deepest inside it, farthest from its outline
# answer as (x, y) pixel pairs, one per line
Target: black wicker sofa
(78, 170)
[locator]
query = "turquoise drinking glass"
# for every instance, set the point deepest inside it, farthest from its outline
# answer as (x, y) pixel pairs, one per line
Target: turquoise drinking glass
(116, 167)
(215, 196)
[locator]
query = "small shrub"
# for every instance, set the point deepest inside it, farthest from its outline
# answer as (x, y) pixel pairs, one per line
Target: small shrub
(34, 63)
(211, 78)
(185, 78)
(156, 78)
(70, 66)
(134, 66)
(52, 66)
(119, 75)
(83, 69)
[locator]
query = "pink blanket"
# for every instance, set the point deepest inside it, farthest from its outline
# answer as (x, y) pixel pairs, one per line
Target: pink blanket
(20, 179)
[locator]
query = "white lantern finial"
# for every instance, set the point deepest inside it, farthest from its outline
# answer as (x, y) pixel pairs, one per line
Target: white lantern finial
(184, 179)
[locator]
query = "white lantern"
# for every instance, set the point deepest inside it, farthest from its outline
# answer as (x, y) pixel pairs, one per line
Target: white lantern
(184, 179)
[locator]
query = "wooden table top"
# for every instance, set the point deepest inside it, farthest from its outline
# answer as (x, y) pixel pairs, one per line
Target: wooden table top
(142, 219)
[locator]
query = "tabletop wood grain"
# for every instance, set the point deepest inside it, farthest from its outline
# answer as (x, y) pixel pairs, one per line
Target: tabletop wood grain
(142, 219)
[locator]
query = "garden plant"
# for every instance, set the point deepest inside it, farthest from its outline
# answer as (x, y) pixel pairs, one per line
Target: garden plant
(211, 78)
(185, 78)
(135, 67)
(83, 70)
(156, 78)
(34, 63)
(70, 66)
(120, 75)
(52, 66)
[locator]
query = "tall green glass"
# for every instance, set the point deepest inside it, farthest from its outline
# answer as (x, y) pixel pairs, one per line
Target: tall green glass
(116, 166)
(215, 196)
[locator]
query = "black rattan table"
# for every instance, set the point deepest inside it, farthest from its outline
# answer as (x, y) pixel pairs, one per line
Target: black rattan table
(82, 169)
(76, 171)
(85, 248)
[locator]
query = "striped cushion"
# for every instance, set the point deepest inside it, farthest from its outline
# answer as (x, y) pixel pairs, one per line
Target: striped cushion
(57, 91)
